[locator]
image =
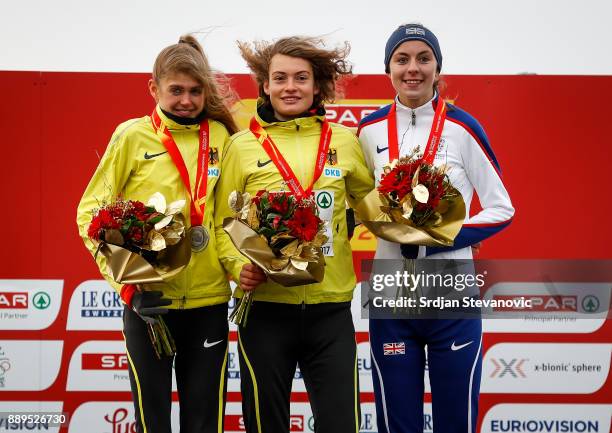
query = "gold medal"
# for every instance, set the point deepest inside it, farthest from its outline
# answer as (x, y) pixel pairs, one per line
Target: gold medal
(199, 238)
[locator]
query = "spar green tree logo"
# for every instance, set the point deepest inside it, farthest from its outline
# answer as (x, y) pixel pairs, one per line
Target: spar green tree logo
(590, 304)
(324, 200)
(41, 300)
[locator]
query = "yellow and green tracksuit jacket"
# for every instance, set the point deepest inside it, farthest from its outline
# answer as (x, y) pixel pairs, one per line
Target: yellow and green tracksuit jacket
(246, 167)
(136, 165)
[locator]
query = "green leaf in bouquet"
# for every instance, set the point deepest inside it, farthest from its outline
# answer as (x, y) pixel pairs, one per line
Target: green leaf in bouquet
(272, 215)
(126, 227)
(266, 231)
(155, 218)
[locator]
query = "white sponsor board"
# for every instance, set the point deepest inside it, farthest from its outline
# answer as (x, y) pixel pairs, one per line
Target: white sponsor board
(28, 407)
(549, 418)
(110, 417)
(556, 307)
(536, 368)
(29, 304)
(100, 366)
(29, 365)
(95, 306)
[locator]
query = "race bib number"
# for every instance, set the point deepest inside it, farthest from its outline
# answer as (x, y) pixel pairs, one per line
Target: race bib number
(325, 203)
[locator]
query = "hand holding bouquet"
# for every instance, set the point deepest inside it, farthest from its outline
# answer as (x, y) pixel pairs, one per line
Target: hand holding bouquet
(414, 204)
(280, 234)
(143, 244)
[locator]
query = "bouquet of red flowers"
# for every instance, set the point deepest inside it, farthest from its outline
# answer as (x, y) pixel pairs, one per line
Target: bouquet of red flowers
(414, 204)
(280, 234)
(143, 244)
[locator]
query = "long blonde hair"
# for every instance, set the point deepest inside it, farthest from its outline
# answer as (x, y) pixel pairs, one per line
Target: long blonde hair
(187, 57)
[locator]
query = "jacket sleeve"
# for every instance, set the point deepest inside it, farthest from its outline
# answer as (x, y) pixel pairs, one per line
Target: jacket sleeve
(484, 173)
(231, 179)
(360, 181)
(107, 183)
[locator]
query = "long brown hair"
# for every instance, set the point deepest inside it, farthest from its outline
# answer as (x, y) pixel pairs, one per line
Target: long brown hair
(328, 65)
(187, 57)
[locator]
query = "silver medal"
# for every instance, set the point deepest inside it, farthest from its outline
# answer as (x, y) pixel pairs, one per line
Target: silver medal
(199, 238)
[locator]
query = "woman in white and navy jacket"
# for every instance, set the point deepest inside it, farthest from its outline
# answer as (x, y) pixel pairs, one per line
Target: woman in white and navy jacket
(413, 61)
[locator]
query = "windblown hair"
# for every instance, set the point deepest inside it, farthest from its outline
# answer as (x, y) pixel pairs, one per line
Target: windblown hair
(187, 57)
(328, 65)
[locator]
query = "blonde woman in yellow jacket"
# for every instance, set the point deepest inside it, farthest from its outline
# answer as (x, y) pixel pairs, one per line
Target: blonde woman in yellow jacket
(307, 325)
(136, 165)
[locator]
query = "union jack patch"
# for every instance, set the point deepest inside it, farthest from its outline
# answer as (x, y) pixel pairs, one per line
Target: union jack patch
(394, 348)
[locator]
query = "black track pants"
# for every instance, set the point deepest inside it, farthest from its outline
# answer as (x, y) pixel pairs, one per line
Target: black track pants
(321, 339)
(201, 337)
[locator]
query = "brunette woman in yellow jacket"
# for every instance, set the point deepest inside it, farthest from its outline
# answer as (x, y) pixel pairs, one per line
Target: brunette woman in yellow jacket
(308, 325)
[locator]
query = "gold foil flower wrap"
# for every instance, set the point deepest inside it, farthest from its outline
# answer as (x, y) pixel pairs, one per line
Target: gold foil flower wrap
(283, 270)
(388, 221)
(164, 254)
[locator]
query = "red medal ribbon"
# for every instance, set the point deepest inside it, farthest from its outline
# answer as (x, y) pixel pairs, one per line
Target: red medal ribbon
(198, 203)
(434, 134)
(283, 167)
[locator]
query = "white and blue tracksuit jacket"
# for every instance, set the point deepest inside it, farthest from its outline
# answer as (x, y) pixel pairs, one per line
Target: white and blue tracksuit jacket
(464, 147)
(454, 347)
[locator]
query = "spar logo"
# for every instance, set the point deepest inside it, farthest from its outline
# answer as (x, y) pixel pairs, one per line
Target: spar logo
(14, 300)
(41, 300)
(349, 114)
(104, 361)
(540, 303)
(105, 303)
(590, 304)
(20, 300)
(513, 367)
(120, 421)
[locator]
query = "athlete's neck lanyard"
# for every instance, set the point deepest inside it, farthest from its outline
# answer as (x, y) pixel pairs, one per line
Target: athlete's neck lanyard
(434, 134)
(198, 197)
(283, 167)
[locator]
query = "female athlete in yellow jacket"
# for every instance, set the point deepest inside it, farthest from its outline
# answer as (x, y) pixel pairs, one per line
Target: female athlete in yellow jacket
(137, 164)
(307, 325)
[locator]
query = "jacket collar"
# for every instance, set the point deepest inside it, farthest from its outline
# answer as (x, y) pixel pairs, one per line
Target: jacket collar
(426, 107)
(265, 117)
(173, 125)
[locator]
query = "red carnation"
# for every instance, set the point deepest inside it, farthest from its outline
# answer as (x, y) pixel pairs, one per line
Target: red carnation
(102, 221)
(304, 224)
(279, 204)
